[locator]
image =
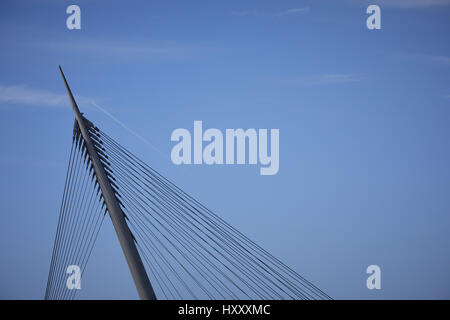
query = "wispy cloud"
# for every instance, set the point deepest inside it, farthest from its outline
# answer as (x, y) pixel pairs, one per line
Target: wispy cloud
(293, 11)
(25, 95)
(107, 47)
(424, 58)
(412, 3)
(127, 49)
(256, 13)
(441, 59)
(246, 13)
(323, 79)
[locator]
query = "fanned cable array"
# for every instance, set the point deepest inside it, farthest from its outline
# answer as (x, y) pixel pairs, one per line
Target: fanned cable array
(189, 252)
(81, 215)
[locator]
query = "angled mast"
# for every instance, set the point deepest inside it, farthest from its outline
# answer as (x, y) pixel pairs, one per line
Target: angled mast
(137, 269)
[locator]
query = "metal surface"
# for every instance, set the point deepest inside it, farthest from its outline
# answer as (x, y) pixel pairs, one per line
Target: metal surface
(126, 240)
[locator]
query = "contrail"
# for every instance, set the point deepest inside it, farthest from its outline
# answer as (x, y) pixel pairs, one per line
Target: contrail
(128, 129)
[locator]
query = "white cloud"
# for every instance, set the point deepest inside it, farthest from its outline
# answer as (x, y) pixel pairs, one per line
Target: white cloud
(126, 49)
(112, 48)
(246, 13)
(319, 79)
(292, 11)
(25, 95)
(331, 78)
(412, 3)
(441, 59)
(424, 58)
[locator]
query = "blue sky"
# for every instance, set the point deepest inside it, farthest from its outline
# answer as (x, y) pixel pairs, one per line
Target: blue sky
(363, 118)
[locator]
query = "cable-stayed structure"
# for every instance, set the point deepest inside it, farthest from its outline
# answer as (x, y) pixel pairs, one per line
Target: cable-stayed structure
(187, 251)
(81, 215)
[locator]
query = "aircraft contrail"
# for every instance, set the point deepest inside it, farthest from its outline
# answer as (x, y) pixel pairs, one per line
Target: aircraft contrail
(127, 128)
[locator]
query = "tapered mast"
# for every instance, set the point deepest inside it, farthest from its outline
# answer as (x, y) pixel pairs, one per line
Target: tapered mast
(126, 240)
